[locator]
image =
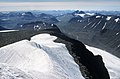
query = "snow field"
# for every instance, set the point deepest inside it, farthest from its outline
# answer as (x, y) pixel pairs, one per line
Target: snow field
(40, 58)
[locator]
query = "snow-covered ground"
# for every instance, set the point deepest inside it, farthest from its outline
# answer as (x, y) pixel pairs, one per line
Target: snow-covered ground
(112, 63)
(40, 58)
(8, 30)
(8, 72)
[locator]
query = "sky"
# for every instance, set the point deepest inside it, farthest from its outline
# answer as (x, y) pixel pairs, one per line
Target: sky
(16, 5)
(51, 0)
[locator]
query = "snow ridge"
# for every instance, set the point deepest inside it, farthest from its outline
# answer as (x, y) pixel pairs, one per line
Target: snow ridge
(41, 58)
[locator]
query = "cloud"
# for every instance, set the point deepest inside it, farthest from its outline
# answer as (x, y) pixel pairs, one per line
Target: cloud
(52, 0)
(59, 6)
(39, 0)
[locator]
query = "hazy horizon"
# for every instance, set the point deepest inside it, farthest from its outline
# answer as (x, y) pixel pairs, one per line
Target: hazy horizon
(12, 5)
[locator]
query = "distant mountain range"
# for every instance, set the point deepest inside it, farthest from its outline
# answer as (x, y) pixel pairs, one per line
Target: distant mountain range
(96, 29)
(37, 25)
(10, 20)
(64, 31)
(96, 21)
(102, 31)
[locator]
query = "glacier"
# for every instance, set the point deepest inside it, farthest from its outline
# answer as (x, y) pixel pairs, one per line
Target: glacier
(42, 58)
(39, 58)
(111, 62)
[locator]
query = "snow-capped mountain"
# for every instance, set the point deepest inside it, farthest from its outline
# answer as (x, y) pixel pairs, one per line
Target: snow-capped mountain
(11, 20)
(40, 51)
(37, 25)
(53, 55)
(96, 21)
(102, 31)
(27, 16)
(82, 14)
(40, 58)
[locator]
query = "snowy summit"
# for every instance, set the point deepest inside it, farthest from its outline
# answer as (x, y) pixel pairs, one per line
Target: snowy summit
(40, 58)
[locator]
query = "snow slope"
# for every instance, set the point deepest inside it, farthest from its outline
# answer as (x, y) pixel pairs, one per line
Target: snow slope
(8, 30)
(112, 63)
(8, 72)
(40, 58)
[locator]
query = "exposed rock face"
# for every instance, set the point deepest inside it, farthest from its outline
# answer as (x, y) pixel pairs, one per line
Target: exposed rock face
(76, 19)
(77, 49)
(94, 64)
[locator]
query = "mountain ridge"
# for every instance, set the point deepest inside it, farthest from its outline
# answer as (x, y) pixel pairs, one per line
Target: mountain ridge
(79, 52)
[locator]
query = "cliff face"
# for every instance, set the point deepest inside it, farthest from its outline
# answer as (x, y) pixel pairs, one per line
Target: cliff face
(94, 64)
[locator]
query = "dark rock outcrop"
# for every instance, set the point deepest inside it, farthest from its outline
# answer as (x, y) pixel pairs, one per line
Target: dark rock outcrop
(94, 64)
